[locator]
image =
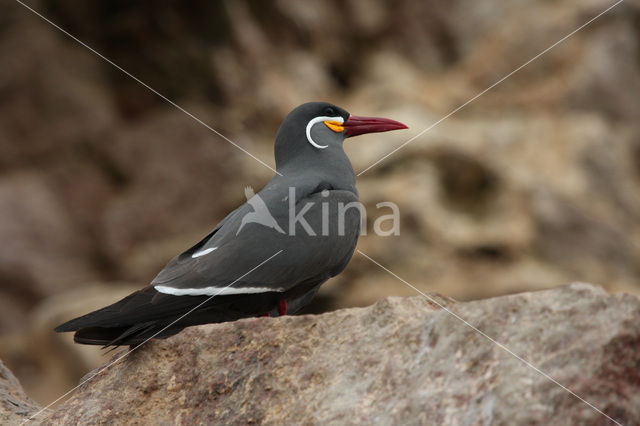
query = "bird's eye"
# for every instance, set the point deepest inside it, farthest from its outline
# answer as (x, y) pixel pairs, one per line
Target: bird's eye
(329, 111)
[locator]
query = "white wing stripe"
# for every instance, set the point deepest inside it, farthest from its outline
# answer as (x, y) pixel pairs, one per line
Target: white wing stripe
(203, 252)
(210, 291)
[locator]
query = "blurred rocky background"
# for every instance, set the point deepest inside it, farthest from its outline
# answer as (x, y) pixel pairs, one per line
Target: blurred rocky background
(534, 184)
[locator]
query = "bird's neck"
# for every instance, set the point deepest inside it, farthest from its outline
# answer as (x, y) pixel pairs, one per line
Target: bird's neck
(330, 166)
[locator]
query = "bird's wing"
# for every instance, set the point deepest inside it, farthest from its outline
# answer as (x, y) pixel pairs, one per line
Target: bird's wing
(224, 263)
(236, 269)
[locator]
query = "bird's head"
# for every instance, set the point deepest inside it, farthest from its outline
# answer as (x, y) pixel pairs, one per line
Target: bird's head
(315, 128)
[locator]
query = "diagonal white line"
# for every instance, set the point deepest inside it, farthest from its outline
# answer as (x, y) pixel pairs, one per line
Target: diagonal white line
(492, 86)
(500, 345)
(147, 86)
(137, 347)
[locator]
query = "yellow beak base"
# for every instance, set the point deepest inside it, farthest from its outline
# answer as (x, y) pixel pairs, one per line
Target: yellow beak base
(336, 126)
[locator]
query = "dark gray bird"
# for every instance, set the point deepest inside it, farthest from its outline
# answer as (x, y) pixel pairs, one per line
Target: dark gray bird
(268, 256)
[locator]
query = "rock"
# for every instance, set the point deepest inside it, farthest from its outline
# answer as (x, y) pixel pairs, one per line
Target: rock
(171, 167)
(46, 253)
(15, 406)
(48, 107)
(534, 184)
(402, 360)
(47, 374)
(520, 202)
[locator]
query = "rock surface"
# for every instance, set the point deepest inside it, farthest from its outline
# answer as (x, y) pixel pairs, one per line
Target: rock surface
(14, 404)
(533, 185)
(402, 360)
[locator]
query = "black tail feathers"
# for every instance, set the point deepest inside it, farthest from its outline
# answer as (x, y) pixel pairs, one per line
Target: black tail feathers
(127, 335)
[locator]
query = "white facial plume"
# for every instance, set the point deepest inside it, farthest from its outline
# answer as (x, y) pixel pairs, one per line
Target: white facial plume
(313, 121)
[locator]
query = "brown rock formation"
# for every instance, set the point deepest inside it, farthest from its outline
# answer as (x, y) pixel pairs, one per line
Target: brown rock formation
(533, 185)
(402, 360)
(14, 404)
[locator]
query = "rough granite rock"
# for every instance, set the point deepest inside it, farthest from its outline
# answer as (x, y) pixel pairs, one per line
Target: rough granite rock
(400, 361)
(14, 404)
(532, 185)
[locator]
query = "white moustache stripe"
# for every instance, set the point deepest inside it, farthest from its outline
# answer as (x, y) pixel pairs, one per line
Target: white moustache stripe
(317, 120)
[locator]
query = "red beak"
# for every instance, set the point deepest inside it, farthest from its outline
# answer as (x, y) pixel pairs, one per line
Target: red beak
(355, 125)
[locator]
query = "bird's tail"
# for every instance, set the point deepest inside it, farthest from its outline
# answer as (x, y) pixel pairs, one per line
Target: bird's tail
(129, 321)
(128, 335)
